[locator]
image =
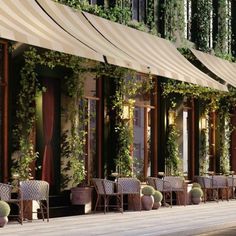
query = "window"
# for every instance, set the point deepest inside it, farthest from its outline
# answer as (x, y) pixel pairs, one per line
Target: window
(137, 116)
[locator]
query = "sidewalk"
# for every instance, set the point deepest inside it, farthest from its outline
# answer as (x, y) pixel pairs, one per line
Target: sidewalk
(175, 221)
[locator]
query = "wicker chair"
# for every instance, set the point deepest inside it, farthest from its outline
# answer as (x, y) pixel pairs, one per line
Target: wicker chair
(132, 188)
(162, 186)
(206, 183)
(107, 189)
(37, 190)
(231, 181)
(6, 195)
(221, 183)
(178, 186)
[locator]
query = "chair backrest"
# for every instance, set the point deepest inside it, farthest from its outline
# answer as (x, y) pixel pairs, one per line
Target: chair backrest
(34, 190)
(220, 181)
(151, 181)
(130, 185)
(176, 182)
(204, 181)
(5, 191)
(104, 186)
(156, 183)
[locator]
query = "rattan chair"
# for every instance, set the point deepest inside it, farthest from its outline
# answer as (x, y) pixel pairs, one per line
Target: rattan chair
(6, 195)
(221, 183)
(36, 190)
(231, 181)
(178, 186)
(107, 189)
(208, 185)
(132, 188)
(161, 185)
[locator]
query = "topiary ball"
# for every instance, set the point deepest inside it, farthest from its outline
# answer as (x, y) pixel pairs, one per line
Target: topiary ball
(157, 196)
(148, 190)
(196, 185)
(4, 209)
(196, 192)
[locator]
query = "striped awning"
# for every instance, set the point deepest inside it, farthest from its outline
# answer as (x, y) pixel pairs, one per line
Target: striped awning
(57, 27)
(24, 21)
(159, 54)
(223, 69)
(75, 24)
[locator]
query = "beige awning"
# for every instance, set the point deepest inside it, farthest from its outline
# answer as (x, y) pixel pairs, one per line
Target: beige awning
(24, 21)
(57, 27)
(160, 54)
(78, 26)
(223, 69)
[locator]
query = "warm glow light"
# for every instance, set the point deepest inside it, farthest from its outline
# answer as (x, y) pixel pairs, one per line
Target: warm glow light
(171, 117)
(126, 112)
(203, 123)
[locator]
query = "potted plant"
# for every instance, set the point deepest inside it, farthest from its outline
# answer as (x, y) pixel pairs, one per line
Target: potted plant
(4, 213)
(73, 171)
(157, 199)
(196, 194)
(147, 197)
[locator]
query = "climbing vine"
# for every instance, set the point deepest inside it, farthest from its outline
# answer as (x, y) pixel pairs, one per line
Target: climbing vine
(201, 19)
(174, 19)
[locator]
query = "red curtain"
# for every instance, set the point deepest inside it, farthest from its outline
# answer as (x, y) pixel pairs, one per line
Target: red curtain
(48, 126)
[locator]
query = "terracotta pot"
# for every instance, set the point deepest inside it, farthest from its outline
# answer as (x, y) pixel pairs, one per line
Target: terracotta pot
(147, 202)
(3, 221)
(156, 205)
(81, 195)
(196, 200)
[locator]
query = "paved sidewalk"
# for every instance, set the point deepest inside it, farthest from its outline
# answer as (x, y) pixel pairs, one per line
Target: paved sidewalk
(176, 221)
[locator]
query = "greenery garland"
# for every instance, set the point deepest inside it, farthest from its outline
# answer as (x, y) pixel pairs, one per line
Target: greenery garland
(26, 113)
(172, 151)
(24, 154)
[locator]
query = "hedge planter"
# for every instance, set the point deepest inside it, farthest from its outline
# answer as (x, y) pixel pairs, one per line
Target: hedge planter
(81, 195)
(4, 212)
(147, 202)
(147, 199)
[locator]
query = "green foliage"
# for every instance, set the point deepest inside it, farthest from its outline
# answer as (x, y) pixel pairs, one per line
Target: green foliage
(157, 196)
(25, 117)
(201, 19)
(223, 29)
(225, 140)
(120, 14)
(4, 209)
(174, 19)
(72, 145)
(204, 152)
(172, 150)
(23, 160)
(196, 192)
(196, 185)
(148, 190)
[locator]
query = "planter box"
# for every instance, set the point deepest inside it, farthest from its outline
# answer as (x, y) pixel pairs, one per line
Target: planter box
(82, 196)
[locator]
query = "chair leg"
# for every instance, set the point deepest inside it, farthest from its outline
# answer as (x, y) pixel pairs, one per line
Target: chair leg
(21, 211)
(41, 209)
(47, 211)
(95, 208)
(121, 203)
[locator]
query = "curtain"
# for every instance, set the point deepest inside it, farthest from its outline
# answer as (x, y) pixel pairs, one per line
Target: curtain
(48, 126)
